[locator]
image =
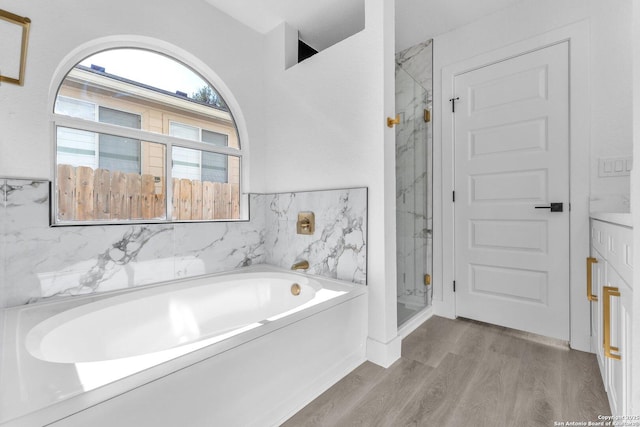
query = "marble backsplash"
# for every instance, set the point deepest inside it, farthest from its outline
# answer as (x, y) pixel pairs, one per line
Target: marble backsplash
(38, 261)
(338, 246)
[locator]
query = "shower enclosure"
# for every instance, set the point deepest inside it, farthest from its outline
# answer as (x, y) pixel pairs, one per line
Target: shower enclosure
(414, 179)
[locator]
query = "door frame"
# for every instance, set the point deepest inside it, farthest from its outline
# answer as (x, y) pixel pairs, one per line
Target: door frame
(577, 35)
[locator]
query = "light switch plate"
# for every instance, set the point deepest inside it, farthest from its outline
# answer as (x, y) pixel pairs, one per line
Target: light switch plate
(615, 166)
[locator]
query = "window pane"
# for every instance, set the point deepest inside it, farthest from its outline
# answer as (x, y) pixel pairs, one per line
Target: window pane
(137, 80)
(75, 108)
(119, 154)
(215, 138)
(214, 167)
(205, 185)
(123, 181)
(76, 147)
(186, 163)
(180, 130)
(120, 118)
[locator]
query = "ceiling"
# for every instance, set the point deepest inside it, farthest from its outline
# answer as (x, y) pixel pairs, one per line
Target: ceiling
(322, 23)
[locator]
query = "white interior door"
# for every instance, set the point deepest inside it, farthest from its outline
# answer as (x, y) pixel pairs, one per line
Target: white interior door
(511, 135)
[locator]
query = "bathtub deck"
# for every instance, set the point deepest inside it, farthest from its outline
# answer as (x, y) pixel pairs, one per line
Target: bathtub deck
(460, 372)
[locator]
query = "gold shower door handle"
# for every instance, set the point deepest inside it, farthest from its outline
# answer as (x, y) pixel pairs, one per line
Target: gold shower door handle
(607, 293)
(590, 262)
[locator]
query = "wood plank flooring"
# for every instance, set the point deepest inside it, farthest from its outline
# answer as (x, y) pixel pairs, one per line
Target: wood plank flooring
(462, 373)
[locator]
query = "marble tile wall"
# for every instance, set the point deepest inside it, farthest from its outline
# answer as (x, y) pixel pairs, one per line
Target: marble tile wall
(417, 61)
(38, 261)
(414, 143)
(337, 249)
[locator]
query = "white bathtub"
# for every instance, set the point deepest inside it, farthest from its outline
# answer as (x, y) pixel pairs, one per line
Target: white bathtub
(244, 339)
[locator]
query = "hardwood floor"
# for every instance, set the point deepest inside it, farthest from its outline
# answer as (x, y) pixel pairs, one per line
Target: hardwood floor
(459, 373)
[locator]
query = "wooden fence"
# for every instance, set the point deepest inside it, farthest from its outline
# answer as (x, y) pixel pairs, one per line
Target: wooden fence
(85, 194)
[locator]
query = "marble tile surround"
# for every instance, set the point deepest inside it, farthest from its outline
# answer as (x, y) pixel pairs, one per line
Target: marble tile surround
(38, 261)
(338, 246)
(417, 61)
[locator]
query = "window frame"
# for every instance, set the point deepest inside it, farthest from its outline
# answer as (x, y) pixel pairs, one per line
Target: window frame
(97, 127)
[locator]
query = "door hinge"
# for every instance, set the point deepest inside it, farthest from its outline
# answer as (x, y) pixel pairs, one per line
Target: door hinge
(454, 286)
(454, 196)
(427, 279)
(453, 103)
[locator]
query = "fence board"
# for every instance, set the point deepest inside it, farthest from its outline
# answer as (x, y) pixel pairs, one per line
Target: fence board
(196, 199)
(226, 201)
(207, 200)
(159, 210)
(118, 203)
(133, 196)
(102, 189)
(175, 198)
(159, 207)
(185, 199)
(218, 203)
(66, 192)
(148, 196)
(84, 193)
(235, 201)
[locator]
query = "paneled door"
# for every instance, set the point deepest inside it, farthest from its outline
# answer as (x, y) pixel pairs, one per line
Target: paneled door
(511, 135)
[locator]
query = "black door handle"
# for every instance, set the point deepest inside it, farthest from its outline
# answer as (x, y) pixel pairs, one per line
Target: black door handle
(553, 207)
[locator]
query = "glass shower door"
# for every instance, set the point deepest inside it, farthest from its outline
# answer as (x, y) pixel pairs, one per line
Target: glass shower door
(413, 195)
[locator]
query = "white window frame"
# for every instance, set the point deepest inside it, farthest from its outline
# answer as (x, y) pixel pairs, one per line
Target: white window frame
(168, 141)
(200, 130)
(242, 152)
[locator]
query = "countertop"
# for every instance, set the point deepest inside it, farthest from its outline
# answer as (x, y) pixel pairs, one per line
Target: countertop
(614, 217)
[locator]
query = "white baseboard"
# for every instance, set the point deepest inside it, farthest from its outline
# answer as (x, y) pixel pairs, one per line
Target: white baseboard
(384, 354)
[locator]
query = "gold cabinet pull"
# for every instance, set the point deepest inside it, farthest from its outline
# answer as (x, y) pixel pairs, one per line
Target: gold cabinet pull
(590, 262)
(607, 293)
(395, 121)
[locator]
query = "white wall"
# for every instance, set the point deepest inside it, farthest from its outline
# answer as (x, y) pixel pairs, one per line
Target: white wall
(203, 36)
(325, 126)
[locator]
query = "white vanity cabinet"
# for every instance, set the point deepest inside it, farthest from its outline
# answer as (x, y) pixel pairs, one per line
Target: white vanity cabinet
(609, 288)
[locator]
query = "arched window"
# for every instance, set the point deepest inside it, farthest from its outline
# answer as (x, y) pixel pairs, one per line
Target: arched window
(140, 137)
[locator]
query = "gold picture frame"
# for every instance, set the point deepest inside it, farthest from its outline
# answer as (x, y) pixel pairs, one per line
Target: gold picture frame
(13, 57)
